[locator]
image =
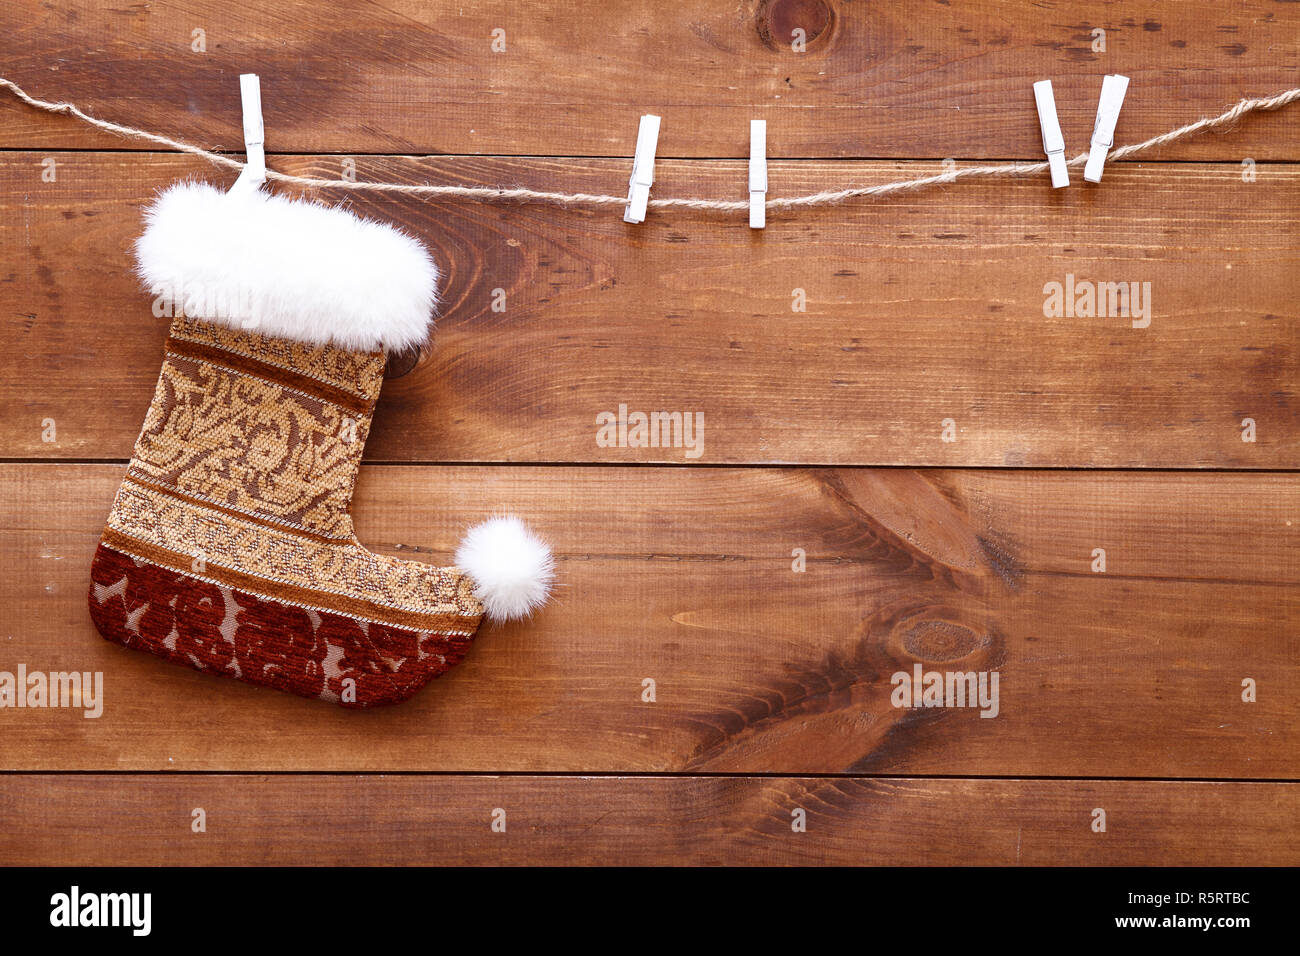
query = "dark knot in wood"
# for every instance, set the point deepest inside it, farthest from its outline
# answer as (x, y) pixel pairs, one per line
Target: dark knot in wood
(778, 19)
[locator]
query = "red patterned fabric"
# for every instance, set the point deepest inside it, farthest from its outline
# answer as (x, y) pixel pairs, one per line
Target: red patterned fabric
(222, 630)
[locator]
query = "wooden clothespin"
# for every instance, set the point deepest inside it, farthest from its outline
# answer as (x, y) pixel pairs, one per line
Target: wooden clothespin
(253, 175)
(757, 174)
(1113, 88)
(1053, 141)
(643, 169)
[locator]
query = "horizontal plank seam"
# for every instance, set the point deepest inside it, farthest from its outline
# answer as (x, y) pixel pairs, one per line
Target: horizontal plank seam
(645, 775)
(1227, 160)
(756, 465)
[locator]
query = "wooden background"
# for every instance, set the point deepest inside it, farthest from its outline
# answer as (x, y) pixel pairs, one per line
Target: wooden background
(1119, 690)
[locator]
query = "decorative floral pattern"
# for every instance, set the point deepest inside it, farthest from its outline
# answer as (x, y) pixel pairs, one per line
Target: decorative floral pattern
(358, 372)
(221, 630)
(243, 474)
(251, 444)
(223, 541)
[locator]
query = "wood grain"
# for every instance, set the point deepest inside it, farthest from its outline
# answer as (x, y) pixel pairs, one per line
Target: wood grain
(685, 576)
(1120, 690)
(918, 310)
(877, 80)
(145, 820)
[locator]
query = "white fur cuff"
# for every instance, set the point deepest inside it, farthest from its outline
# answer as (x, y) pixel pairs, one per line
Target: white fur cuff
(287, 268)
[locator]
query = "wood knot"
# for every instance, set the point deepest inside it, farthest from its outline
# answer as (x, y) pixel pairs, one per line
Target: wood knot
(403, 363)
(938, 641)
(777, 21)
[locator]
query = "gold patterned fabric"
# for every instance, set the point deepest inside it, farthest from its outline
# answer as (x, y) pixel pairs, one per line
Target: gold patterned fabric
(244, 471)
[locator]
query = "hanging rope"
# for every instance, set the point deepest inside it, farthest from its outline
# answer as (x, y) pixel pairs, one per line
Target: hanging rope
(589, 200)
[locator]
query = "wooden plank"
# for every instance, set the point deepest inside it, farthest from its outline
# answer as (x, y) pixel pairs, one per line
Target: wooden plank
(877, 80)
(686, 576)
(918, 310)
(136, 820)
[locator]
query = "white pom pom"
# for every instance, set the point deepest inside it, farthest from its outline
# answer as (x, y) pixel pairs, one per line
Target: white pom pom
(511, 568)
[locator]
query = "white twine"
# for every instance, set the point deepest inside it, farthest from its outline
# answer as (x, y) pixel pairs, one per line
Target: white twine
(516, 194)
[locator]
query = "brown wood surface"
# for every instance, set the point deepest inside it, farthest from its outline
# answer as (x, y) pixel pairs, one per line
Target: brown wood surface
(904, 79)
(918, 310)
(1120, 690)
(344, 820)
(685, 576)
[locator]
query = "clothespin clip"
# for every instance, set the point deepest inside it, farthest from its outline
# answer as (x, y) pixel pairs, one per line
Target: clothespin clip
(1053, 141)
(643, 169)
(1113, 88)
(254, 172)
(757, 174)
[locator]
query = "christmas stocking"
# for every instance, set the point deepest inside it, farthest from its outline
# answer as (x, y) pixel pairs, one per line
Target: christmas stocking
(230, 545)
